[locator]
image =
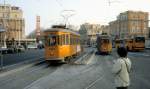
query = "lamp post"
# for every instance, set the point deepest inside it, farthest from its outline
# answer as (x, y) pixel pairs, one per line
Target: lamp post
(1, 55)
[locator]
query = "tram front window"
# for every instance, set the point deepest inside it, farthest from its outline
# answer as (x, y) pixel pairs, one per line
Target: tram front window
(140, 39)
(105, 41)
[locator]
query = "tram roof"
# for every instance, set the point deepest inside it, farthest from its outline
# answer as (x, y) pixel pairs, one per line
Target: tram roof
(61, 30)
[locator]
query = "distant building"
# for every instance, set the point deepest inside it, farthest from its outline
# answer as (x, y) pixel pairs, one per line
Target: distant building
(130, 24)
(11, 19)
(105, 29)
(114, 29)
(89, 32)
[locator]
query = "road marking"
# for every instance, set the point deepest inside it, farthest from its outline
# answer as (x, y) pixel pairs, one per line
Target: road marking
(18, 69)
(93, 83)
(87, 70)
(15, 70)
(80, 59)
(90, 59)
(140, 54)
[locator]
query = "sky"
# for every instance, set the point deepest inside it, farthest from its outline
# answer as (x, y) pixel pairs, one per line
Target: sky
(82, 11)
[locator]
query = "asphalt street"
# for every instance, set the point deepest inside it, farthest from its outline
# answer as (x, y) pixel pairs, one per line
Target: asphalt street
(95, 74)
(32, 54)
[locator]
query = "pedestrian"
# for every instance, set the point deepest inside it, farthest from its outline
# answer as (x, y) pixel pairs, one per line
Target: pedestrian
(121, 69)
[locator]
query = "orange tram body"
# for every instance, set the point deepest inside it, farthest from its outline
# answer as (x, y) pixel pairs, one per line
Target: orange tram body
(61, 44)
(104, 44)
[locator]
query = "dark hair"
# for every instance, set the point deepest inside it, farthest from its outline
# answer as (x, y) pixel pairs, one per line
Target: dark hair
(122, 52)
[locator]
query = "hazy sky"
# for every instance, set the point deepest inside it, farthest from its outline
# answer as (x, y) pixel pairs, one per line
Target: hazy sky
(93, 11)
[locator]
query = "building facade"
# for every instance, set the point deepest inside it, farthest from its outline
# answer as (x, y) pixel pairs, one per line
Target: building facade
(11, 19)
(130, 24)
(114, 29)
(105, 29)
(89, 32)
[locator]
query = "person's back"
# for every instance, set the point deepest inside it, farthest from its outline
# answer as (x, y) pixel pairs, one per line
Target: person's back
(121, 69)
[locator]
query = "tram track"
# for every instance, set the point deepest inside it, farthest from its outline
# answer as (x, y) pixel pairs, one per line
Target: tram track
(26, 76)
(23, 76)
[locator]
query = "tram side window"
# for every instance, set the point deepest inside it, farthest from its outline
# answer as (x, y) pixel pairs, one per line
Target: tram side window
(52, 41)
(70, 39)
(67, 39)
(57, 40)
(73, 40)
(46, 40)
(63, 39)
(60, 40)
(78, 41)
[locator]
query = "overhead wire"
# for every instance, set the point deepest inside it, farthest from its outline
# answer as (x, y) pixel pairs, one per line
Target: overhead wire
(60, 4)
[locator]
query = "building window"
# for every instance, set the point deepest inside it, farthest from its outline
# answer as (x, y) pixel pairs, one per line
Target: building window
(16, 16)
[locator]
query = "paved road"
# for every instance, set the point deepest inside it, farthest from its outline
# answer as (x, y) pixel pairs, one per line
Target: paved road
(140, 76)
(10, 59)
(96, 74)
(22, 77)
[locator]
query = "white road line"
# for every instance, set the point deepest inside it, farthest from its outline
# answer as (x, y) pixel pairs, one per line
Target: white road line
(93, 83)
(87, 70)
(17, 69)
(140, 54)
(90, 60)
(79, 60)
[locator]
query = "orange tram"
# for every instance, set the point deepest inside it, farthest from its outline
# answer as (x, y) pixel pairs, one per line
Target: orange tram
(61, 44)
(104, 44)
(133, 44)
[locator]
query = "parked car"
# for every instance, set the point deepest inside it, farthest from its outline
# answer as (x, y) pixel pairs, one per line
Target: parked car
(3, 50)
(32, 47)
(20, 48)
(11, 50)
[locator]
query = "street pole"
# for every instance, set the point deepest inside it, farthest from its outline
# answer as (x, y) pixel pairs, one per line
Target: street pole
(1, 55)
(19, 36)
